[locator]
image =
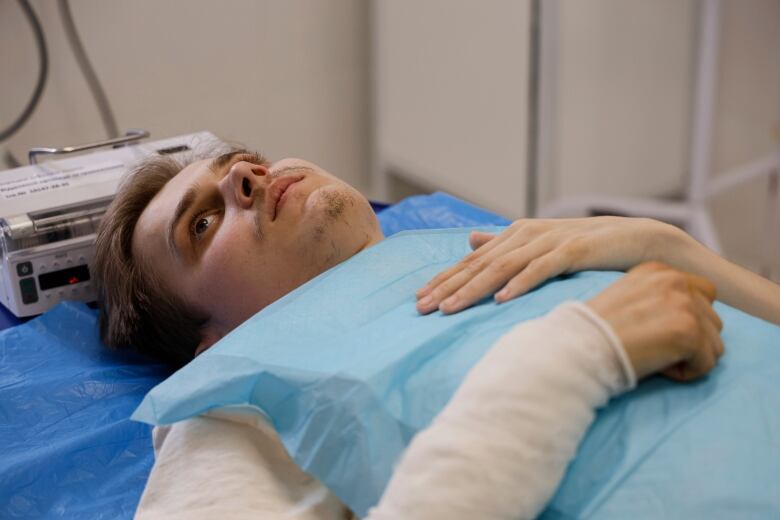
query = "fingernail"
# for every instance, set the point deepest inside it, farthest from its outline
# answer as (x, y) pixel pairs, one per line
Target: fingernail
(425, 301)
(450, 303)
(423, 291)
(502, 295)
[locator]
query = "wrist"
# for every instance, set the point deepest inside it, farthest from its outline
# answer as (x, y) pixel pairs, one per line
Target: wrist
(625, 364)
(666, 243)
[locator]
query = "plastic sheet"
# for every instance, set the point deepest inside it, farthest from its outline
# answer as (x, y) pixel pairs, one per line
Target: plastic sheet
(68, 450)
(438, 210)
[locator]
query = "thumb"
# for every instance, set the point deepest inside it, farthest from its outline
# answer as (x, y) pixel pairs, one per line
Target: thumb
(478, 239)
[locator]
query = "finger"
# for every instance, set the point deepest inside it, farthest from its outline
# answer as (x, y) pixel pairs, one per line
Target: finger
(705, 308)
(537, 271)
(708, 348)
(483, 278)
(445, 289)
(703, 357)
(499, 266)
(695, 282)
(693, 368)
(495, 275)
(702, 361)
(680, 372)
(710, 324)
(652, 266)
(474, 256)
(702, 285)
(477, 239)
(516, 235)
(473, 263)
(713, 339)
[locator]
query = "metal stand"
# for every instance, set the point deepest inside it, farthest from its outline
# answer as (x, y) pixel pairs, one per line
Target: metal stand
(129, 137)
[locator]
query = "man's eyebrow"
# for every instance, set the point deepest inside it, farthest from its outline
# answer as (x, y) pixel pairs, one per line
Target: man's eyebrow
(223, 160)
(181, 208)
(216, 165)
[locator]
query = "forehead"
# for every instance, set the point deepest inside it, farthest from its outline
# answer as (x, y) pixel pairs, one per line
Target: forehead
(154, 218)
(186, 177)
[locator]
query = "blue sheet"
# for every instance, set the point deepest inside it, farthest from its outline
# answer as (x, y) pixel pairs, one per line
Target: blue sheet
(68, 447)
(68, 450)
(349, 372)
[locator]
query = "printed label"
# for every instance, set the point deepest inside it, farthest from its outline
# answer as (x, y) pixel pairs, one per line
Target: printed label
(50, 181)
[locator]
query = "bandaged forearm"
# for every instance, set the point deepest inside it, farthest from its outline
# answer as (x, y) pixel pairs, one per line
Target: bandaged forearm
(501, 446)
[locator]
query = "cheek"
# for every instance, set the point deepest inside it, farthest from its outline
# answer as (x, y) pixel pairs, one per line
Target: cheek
(228, 265)
(238, 277)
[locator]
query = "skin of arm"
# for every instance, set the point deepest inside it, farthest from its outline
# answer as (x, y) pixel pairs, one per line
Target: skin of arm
(736, 285)
(531, 251)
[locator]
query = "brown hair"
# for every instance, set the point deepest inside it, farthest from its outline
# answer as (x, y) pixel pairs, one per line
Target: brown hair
(136, 312)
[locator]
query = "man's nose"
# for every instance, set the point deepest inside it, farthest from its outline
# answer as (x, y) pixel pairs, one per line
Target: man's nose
(244, 182)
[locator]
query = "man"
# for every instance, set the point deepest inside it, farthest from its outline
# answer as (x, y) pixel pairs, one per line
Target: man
(186, 254)
(191, 256)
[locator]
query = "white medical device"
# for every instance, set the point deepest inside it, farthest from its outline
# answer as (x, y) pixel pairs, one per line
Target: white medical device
(49, 214)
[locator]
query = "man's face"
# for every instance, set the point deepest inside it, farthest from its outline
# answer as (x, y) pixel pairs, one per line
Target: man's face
(231, 235)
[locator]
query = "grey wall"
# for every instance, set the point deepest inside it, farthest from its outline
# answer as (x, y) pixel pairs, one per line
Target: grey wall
(625, 81)
(286, 77)
(747, 127)
(292, 78)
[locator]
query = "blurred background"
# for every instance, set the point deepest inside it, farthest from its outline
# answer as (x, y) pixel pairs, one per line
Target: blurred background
(526, 107)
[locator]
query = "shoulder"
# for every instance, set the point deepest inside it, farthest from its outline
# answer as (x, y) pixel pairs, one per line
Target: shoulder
(227, 463)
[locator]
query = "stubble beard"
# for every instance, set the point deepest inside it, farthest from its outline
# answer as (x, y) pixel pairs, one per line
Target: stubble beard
(335, 205)
(258, 224)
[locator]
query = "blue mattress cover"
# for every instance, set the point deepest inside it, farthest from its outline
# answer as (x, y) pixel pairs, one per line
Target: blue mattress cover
(69, 449)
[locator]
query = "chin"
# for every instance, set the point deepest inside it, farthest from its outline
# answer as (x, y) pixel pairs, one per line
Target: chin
(336, 201)
(339, 221)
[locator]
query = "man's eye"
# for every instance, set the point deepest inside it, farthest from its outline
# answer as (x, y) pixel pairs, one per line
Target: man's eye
(200, 224)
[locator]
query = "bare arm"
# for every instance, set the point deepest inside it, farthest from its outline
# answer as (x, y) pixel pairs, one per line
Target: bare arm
(736, 285)
(531, 251)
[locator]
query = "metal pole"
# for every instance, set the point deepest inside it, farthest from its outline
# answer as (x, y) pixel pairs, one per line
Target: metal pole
(704, 99)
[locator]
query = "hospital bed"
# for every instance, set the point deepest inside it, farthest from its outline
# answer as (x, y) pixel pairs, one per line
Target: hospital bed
(68, 447)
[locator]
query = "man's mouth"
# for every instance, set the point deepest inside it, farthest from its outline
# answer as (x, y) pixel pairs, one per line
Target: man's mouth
(275, 193)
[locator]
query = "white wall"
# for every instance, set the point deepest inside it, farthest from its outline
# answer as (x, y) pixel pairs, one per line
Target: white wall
(623, 90)
(291, 78)
(622, 127)
(285, 77)
(451, 111)
(451, 94)
(747, 127)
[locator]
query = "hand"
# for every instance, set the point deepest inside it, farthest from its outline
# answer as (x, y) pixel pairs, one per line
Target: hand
(531, 251)
(665, 321)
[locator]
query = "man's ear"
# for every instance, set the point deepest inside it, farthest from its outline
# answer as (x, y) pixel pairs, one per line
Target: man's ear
(208, 336)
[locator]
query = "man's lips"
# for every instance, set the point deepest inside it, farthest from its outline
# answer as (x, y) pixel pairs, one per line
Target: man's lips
(274, 193)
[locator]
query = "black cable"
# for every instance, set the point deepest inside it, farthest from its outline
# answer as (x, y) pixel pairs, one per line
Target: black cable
(43, 72)
(106, 114)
